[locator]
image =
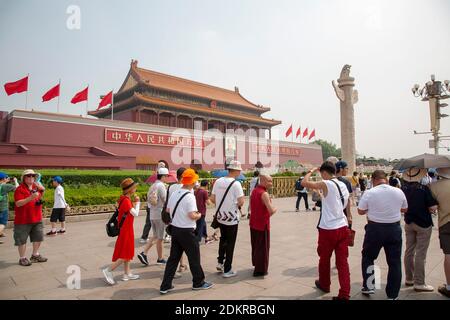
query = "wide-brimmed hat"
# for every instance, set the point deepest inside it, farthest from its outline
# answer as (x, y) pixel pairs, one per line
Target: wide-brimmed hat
(127, 183)
(189, 177)
(234, 165)
(28, 172)
(414, 174)
(444, 172)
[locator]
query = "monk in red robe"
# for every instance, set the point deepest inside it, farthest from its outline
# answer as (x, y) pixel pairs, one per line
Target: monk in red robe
(262, 209)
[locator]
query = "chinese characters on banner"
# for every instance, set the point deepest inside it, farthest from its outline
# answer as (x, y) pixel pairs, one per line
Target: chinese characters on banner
(143, 138)
(269, 149)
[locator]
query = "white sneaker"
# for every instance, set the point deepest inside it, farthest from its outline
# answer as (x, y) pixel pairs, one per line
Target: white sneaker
(219, 267)
(423, 288)
(143, 241)
(108, 276)
(130, 276)
(230, 274)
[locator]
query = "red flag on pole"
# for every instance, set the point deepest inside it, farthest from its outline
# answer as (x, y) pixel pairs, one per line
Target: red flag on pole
(80, 96)
(52, 93)
(305, 133)
(313, 134)
(299, 131)
(289, 131)
(17, 86)
(105, 100)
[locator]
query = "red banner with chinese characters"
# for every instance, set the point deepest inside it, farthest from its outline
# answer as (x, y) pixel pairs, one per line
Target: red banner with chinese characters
(272, 149)
(145, 138)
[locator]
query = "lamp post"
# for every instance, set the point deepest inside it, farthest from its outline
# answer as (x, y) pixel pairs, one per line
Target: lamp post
(433, 92)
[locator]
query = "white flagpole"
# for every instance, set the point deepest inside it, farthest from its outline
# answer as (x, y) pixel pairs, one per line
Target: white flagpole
(26, 95)
(112, 104)
(59, 94)
(87, 101)
(292, 134)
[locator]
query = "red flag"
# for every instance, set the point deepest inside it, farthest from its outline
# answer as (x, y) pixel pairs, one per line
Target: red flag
(289, 131)
(313, 134)
(17, 86)
(106, 100)
(298, 133)
(50, 94)
(305, 133)
(80, 96)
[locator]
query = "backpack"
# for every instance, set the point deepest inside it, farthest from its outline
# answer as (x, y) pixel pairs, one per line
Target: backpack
(393, 181)
(113, 226)
(298, 185)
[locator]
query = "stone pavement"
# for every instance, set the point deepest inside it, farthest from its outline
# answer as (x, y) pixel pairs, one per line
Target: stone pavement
(292, 269)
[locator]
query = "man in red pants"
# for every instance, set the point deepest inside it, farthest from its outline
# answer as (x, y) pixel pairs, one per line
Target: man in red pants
(333, 229)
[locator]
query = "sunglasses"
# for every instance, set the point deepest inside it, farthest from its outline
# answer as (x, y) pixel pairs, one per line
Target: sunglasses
(30, 175)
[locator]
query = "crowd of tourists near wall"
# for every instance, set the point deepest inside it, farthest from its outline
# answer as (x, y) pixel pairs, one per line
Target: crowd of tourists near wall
(176, 213)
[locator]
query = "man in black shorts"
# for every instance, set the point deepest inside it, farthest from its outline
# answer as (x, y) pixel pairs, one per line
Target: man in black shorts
(59, 208)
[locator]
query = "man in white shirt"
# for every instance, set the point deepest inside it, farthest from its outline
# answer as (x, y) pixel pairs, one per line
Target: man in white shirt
(228, 216)
(157, 194)
(183, 209)
(383, 205)
(59, 207)
(333, 228)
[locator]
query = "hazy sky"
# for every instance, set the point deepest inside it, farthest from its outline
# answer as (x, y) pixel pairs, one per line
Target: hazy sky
(281, 54)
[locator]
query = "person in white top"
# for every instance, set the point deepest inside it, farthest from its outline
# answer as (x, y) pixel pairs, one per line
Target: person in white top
(156, 198)
(383, 205)
(333, 228)
(183, 210)
(228, 216)
(60, 207)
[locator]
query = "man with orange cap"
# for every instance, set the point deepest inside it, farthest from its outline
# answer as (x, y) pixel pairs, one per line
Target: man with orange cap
(183, 210)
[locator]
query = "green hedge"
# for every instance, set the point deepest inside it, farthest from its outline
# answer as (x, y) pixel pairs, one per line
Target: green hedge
(82, 177)
(85, 195)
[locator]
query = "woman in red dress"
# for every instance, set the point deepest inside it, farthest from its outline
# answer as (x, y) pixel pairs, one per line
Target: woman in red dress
(124, 248)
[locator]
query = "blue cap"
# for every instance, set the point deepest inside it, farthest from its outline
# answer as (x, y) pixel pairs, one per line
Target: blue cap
(341, 164)
(57, 179)
(3, 175)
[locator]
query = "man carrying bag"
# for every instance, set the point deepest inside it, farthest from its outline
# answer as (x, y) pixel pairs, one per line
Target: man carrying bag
(228, 196)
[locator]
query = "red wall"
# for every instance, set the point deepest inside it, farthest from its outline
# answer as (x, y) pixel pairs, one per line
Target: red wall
(70, 143)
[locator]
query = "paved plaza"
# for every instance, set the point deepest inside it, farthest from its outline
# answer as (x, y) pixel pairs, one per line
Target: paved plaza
(292, 268)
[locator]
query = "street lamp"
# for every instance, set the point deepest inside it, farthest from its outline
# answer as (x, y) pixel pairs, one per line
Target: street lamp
(433, 92)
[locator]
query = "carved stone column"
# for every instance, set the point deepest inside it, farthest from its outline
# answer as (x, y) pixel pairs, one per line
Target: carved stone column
(347, 97)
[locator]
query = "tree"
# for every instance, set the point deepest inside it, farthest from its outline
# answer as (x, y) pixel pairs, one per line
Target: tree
(329, 149)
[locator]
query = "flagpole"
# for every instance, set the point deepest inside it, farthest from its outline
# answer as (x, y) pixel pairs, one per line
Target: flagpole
(292, 134)
(59, 94)
(87, 101)
(112, 104)
(26, 95)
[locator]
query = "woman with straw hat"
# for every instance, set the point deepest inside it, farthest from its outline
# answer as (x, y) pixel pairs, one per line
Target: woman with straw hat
(124, 247)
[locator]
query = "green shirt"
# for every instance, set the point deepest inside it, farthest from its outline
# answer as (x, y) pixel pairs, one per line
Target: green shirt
(4, 190)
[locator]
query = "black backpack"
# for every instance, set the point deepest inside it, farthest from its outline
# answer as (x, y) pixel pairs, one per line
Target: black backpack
(298, 185)
(113, 226)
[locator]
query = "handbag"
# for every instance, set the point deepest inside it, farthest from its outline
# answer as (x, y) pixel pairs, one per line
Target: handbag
(351, 232)
(215, 223)
(165, 216)
(169, 227)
